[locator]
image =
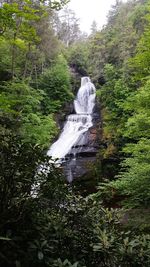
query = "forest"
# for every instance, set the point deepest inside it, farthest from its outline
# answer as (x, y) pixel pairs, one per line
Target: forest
(44, 220)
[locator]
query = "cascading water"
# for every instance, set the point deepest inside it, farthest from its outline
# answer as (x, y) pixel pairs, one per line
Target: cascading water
(77, 124)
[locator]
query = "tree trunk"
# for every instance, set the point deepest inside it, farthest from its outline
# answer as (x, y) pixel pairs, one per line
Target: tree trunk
(26, 62)
(13, 57)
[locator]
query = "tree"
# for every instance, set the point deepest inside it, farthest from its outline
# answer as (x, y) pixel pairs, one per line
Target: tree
(93, 27)
(134, 178)
(18, 16)
(55, 82)
(21, 113)
(140, 63)
(27, 30)
(68, 30)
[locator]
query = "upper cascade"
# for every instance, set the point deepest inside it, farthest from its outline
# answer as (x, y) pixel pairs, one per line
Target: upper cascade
(76, 124)
(85, 100)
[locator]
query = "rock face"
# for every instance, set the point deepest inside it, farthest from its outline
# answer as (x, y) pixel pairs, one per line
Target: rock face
(83, 154)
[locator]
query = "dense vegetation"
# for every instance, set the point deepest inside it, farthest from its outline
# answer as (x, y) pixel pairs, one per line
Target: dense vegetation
(125, 98)
(44, 221)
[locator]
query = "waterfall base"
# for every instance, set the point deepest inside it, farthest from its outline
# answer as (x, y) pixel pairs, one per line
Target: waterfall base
(76, 168)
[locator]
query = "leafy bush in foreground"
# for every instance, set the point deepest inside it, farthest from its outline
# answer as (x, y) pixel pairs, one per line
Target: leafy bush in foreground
(41, 224)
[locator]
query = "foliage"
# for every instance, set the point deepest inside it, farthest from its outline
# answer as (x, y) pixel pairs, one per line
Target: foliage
(43, 223)
(28, 45)
(39, 129)
(117, 41)
(134, 179)
(78, 58)
(29, 37)
(113, 96)
(55, 82)
(21, 112)
(119, 62)
(67, 27)
(21, 210)
(65, 263)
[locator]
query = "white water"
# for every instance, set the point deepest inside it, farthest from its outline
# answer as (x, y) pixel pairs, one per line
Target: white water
(76, 124)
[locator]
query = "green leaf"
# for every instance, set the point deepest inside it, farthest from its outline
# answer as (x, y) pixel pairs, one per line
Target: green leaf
(5, 238)
(40, 255)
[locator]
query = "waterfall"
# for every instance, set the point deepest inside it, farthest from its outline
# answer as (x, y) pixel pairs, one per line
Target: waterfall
(77, 124)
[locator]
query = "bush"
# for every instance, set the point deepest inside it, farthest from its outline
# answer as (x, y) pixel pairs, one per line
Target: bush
(42, 221)
(21, 113)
